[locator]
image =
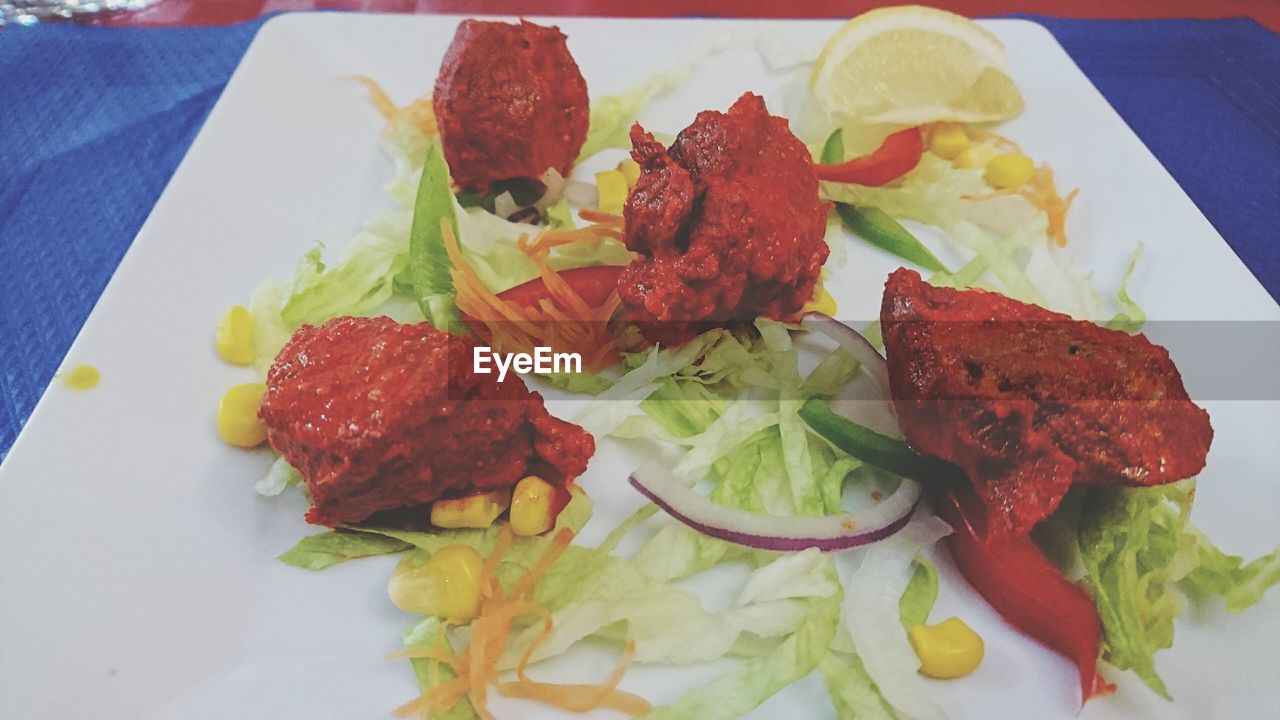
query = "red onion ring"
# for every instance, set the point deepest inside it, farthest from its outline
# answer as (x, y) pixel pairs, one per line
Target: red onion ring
(770, 532)
(852, 341)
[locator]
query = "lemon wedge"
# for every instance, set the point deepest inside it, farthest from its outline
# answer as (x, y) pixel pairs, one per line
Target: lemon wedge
(913, 65)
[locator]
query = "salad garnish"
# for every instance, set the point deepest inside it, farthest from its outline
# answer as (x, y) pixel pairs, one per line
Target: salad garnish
(692, 277)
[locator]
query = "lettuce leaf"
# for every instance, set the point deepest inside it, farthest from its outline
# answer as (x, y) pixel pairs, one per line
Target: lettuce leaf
(1140, 552)
(872, 616)
(322, 550)
(933, 193)
(852, 690)
(431, 632)
(429, 265)
(918, 599)
(1005, 238)
(1131, 318)
(758, 679)
(279, 476)
(361, 282)
(611, 116)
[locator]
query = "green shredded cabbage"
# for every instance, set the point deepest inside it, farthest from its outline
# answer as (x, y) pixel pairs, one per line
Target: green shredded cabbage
(852, 690)
(1140, 553)
(1131, 318)
(429, 265)
(432, 632)
(742, 690)
(1006, 240)
(611, 117)
(922, 592)
(317, 552)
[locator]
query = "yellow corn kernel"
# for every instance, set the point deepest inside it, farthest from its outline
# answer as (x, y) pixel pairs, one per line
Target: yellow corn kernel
(234, 337)
(1009, 171)
(446, 585)
(473, 511)
(613, 191)
(977, 156)
(531, 506)
(950, 649)
(948, 141)
(821, 302)
(630, 169)
(238, 422)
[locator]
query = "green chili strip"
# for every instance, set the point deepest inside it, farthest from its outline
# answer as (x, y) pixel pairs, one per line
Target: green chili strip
(874, 225)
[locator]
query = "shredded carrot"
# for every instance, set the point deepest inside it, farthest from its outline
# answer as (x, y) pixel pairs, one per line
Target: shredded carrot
(490, 588)
(1042, 193)
(601, 218)
(440, 696)
(566, 324)
(576, 697)
(476, 666)
(426, 652)
(419, 112)
(553, 237)
(1054, 205)
(530, 580)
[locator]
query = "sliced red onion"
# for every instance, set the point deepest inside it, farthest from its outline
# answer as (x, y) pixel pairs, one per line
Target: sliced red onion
(527, 215)
(769, 532)
(852, 341)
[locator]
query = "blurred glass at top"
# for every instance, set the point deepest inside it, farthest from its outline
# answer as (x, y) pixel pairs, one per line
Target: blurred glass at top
(30, 12)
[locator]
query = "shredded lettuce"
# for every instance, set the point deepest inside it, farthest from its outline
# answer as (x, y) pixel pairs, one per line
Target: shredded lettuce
(932, 193)
(1131, 318)
(611, 116)
(432, 632)
(1006, 239)
(831, 374)
(872, 616)
(270, 332)
(279, 476)
(317, 552)
(614, 405)
(429, 264)
(560, 215)
(922, 592)
(1140, 553)
(361, 282)
(758, 679)
(852, 690)
(400, 255)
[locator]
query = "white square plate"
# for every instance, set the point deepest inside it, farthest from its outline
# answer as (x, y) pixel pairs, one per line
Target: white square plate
(137, 570)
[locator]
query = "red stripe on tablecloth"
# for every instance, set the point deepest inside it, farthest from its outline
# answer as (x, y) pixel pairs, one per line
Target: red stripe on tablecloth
(221, 12)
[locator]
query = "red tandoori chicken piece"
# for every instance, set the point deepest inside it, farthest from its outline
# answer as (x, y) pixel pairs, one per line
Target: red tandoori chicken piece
(510, 103)
(727, 222)
(378, 415)
(1029, 402)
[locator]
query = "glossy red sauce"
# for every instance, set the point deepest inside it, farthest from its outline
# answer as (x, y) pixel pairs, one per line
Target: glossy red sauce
(1029, 402)
(728, 223)
(510, 103)
(378, 415)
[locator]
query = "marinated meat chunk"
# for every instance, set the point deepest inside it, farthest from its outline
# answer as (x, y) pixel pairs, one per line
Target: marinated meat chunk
(1029, 402)
(510, 103)
(727, 222)
(378, 415)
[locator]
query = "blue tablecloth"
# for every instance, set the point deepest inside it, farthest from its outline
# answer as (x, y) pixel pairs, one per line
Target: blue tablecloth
(93, 122)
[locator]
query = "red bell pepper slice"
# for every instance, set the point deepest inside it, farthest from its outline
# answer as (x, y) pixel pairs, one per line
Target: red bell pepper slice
(1016, 579)
(896, 156)
(593, 284)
